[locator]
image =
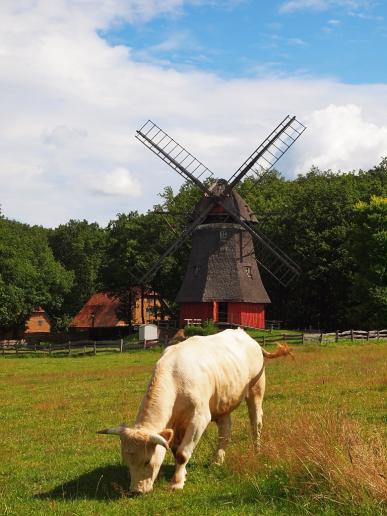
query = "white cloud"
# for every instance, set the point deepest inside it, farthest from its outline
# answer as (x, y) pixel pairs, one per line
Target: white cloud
(117, 182)
(341, 138)
(296, 42)
(71, 104)
(322, 5)
(300, 5)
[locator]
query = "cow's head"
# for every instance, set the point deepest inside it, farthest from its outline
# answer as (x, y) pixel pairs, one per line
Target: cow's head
(143, 452)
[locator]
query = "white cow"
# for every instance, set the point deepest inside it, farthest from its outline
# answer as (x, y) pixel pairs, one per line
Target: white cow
(197, 381)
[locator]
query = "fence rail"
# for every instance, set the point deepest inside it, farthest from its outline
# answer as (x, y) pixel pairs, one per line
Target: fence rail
(8, 347)
(294, 338)
(86, 346)
(345, 335)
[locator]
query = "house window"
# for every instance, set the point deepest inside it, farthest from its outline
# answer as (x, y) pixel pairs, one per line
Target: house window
(223, 235)
(247, 270)
(40, 322)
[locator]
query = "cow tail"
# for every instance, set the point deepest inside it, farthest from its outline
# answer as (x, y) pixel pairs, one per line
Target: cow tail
(281, 351)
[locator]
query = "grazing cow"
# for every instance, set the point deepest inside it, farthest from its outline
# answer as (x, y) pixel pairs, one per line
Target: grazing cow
(197, 381)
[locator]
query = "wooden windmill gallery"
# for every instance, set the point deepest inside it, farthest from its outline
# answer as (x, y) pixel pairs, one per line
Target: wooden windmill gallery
(222, 281)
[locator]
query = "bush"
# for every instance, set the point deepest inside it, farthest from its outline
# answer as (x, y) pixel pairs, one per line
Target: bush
(191, 330)
(210, 327)
(207, 328)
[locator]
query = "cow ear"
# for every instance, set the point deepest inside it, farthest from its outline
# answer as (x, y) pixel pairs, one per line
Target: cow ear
(167, 434)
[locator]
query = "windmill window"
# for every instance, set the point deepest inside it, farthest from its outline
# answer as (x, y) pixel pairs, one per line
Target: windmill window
(247, 269)
(223, 235)
(196, 270)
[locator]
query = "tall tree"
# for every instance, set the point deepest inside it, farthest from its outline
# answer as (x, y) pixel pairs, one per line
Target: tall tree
(29, 274)
(80, 247)
(369, 247)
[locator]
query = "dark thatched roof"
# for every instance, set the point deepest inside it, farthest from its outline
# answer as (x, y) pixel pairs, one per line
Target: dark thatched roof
(232, 201)
(222, 267)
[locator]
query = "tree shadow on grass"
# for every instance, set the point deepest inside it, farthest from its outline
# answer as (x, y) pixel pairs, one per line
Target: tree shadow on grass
(104, 483)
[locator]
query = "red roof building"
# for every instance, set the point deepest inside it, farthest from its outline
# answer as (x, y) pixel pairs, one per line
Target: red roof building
(103, 308)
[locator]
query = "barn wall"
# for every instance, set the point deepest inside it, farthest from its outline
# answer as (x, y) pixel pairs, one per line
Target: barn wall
(195, 311)
(247, 314)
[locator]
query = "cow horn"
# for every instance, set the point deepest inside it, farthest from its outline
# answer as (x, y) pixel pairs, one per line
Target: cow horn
(158, 439)
(114, 431)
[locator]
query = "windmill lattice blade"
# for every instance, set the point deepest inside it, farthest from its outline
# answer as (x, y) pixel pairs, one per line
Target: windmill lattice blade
(271, 150)
(275, 261)
(176, 156)
(269, 256)
(176, 245)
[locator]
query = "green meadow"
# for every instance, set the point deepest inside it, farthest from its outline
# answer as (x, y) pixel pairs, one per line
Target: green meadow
(323, 448)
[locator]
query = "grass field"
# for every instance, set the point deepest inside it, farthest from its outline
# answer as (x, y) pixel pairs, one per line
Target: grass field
(323, 438)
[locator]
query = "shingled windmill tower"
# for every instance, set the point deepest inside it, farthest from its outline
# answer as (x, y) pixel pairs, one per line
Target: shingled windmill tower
(222, 280)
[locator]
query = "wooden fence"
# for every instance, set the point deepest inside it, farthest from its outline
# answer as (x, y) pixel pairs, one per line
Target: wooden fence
(18, 347)
(9, 347)
(293, 338)
(352, 335)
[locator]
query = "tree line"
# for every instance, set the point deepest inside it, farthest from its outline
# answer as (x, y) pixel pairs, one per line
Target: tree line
(334, 225)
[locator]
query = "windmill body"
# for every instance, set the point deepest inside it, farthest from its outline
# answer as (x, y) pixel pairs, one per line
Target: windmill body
(222, 280)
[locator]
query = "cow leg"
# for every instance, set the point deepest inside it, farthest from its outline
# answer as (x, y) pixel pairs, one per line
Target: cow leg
(224, 431)
(191, 437)
(254, 403)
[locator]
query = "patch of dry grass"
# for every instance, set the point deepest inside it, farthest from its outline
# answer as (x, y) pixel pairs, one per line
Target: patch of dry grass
(325, 455)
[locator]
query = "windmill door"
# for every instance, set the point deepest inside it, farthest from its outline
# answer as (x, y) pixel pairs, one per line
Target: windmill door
(223, 312)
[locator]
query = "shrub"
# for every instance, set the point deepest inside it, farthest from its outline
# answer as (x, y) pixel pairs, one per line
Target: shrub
(191, 330)
(207, 328)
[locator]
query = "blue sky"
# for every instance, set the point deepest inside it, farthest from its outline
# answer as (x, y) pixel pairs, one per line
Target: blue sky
(78, 77)
(345, 40)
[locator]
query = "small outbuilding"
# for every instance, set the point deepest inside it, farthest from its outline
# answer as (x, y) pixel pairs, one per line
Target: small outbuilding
(37, 322)
(103, 312)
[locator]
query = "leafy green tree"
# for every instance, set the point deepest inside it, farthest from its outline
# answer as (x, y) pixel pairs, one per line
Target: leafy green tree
(29, 274)
(369, 246)
(80, 247)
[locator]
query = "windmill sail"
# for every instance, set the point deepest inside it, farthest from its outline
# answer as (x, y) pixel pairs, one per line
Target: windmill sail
(275, 261)
(176, 156)
(270, 257)
(270, 150)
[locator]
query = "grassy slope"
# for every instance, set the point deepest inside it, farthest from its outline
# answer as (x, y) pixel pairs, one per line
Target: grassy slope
(322, 451)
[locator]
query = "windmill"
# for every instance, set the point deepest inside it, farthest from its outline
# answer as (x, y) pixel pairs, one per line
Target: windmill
(222, 280)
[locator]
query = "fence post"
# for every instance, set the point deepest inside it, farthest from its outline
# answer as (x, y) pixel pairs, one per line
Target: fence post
(303, 338)
(352, 335)
(368, 335)
(49, 348)
(377, 335)
(121, 345)
(69, 346)
(16, 347)
(95, 347)
(337, 336)
(321, 338)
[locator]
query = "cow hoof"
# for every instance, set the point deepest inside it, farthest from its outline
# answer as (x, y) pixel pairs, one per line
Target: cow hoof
(219, 457)
(177, 486)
